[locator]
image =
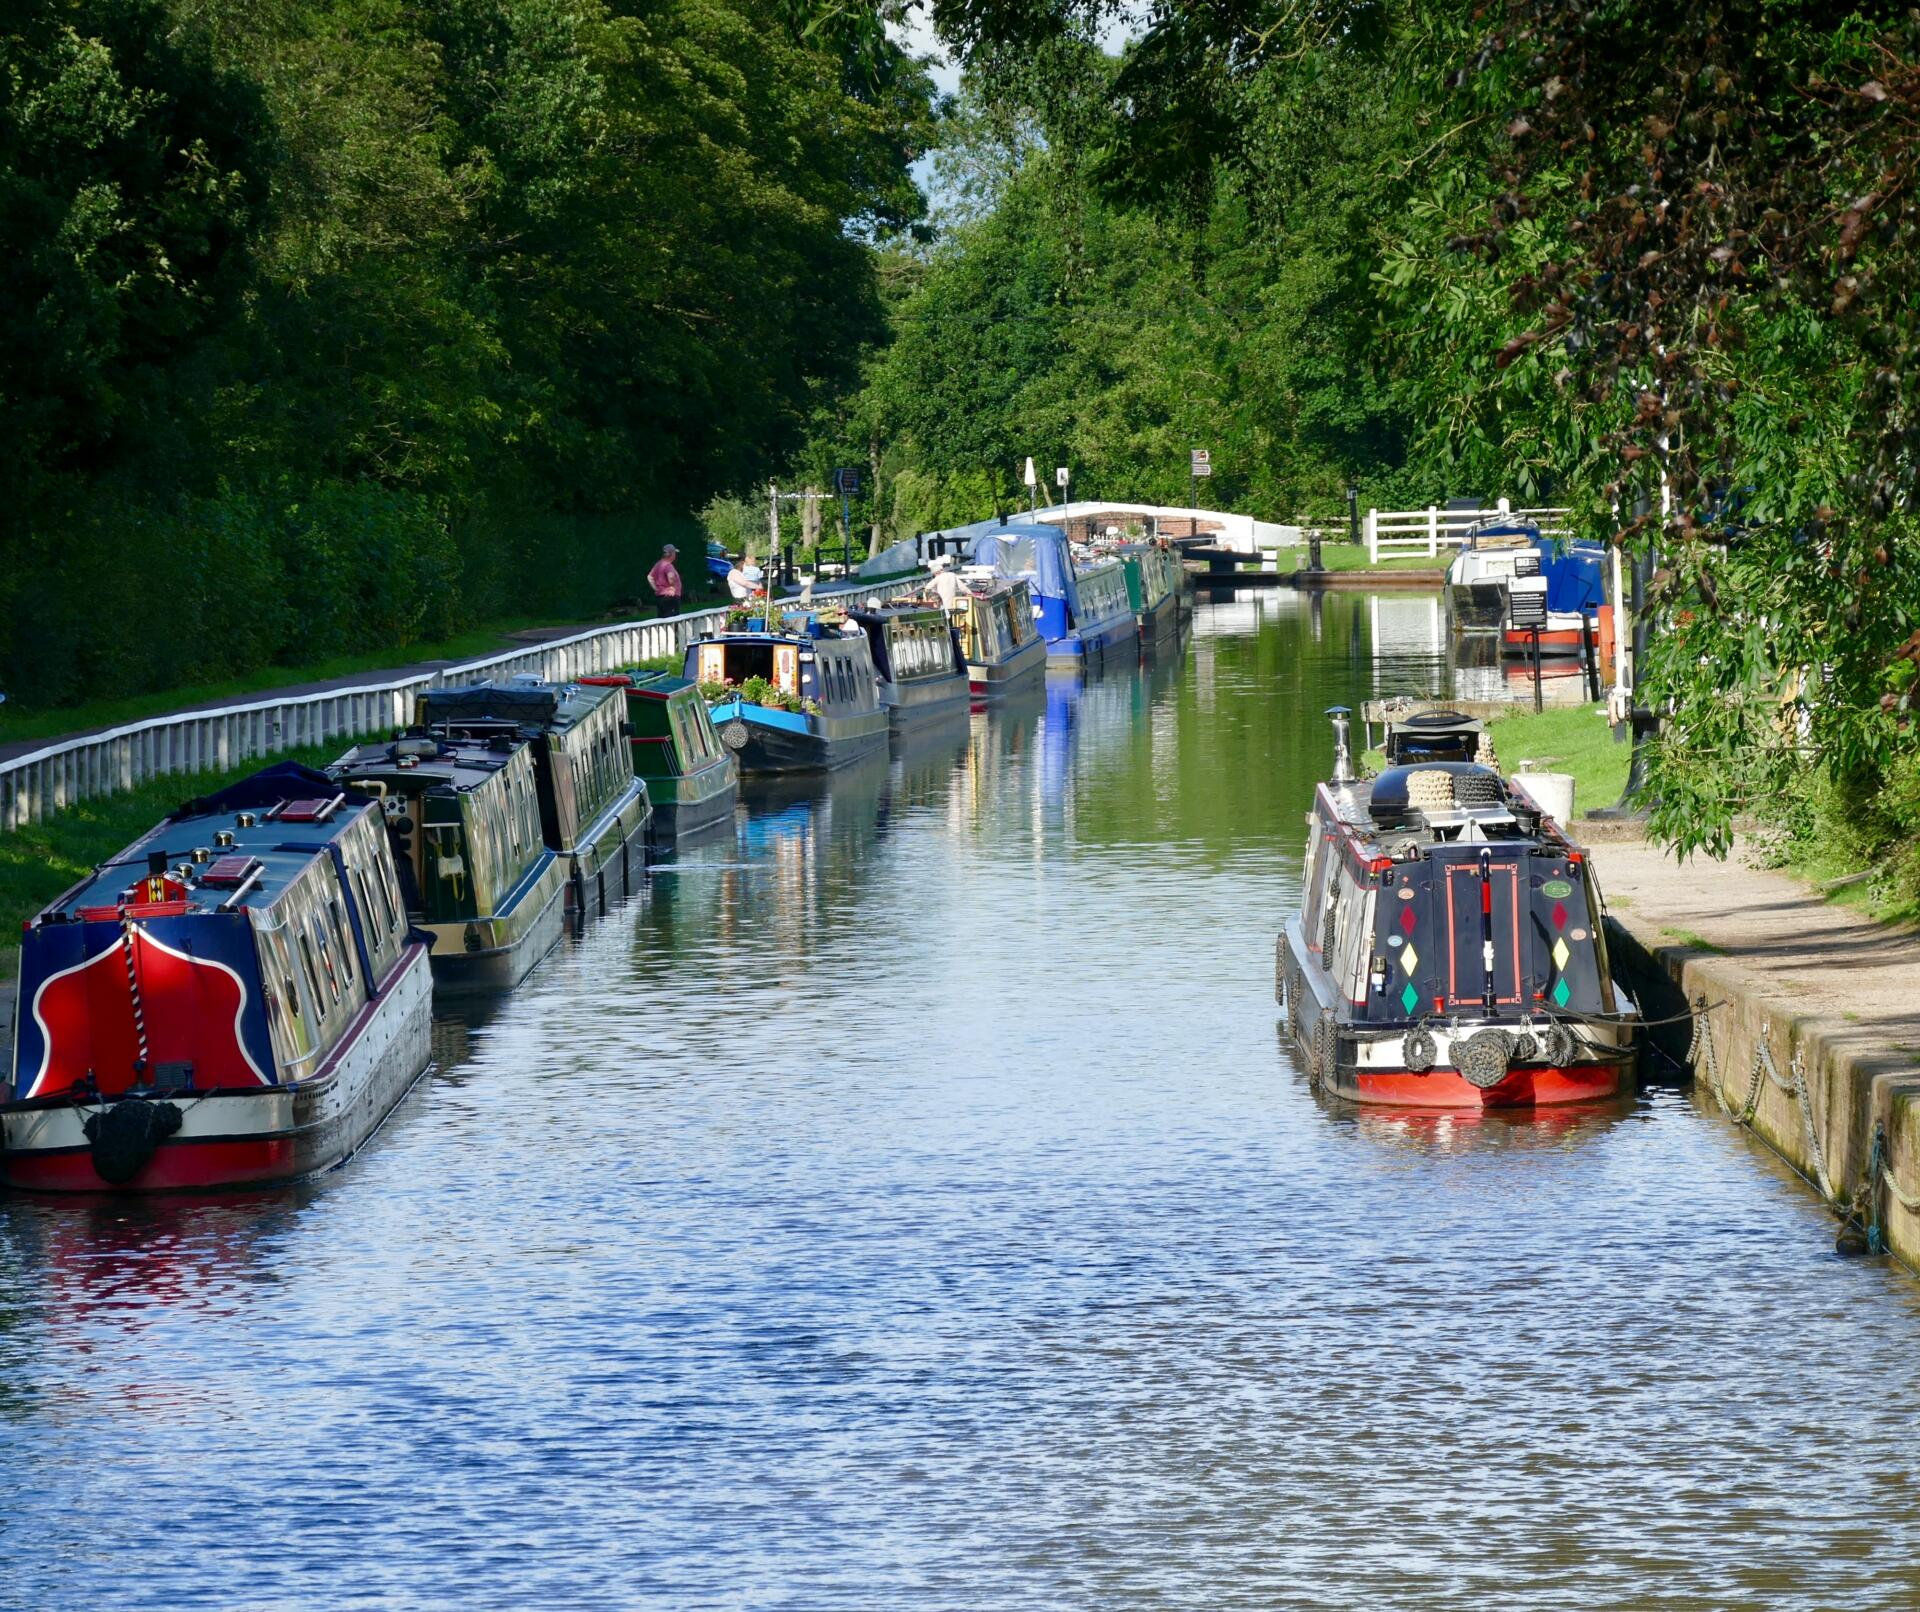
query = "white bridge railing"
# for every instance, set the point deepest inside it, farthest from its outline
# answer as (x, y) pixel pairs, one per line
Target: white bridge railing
(46, 781)
(1428, 531)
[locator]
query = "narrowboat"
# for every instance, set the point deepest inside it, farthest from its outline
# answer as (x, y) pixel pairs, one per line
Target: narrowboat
(691, 780)
(594, 810)
(1156, 588)
(463, 817)
(1448, 952)
(1003, 650)
(1478, 577)
(235, 1000)
(1084, 612)
(922, 677)
(797, 694)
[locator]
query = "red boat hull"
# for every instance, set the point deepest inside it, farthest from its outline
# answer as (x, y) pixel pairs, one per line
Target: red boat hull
(175, 1167)
(1532, 1086)
(1561, 641)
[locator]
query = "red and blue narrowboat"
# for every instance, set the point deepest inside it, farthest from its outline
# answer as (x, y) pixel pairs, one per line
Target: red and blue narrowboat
(1084, 612)
(235, 1000)
(791, 693)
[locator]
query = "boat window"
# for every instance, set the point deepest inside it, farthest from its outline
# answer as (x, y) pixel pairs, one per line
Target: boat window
(313, 974)
(340, 937)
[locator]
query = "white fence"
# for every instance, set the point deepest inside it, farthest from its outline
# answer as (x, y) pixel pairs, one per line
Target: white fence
(61, 775)
(1428, 531)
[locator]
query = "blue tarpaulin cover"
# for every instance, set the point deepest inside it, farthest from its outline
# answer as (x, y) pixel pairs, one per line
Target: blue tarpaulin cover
(1031, 550)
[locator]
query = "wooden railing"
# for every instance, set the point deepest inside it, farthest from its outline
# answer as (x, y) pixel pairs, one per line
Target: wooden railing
(63, 774)
(1428, 531)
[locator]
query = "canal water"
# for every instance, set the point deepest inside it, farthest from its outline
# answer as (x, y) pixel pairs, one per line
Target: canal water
(909, 1203)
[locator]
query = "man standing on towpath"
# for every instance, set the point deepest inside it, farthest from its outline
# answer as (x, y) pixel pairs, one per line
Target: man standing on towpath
(668, 594)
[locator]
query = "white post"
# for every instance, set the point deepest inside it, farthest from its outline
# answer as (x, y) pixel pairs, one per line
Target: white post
(1373, 537)
(1433, 531)
(1504, 510)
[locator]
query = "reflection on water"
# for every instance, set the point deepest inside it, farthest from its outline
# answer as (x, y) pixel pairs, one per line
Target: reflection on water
(906, 1202)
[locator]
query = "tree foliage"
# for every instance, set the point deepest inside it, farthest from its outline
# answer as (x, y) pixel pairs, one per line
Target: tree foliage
(325, 325)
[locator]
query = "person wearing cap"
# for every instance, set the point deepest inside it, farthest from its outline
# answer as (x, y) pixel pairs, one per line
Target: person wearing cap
(946, 585)
(664, 579)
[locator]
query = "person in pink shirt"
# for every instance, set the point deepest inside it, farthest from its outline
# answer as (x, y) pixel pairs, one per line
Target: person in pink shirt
(668, 594)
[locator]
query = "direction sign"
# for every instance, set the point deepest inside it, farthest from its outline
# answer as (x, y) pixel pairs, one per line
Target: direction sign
(1202, 462)
(846, 482)
(1060, 476)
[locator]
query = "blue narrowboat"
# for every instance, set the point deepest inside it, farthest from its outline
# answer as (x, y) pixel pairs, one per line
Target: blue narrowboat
(237, 999)
(1084, 611)
(792, 692)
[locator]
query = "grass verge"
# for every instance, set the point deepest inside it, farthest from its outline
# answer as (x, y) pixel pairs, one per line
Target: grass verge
(1574, 739)
(1353, 557)
(39, 862)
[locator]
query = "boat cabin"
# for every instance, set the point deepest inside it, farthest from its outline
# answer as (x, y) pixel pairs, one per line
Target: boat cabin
(811, 660)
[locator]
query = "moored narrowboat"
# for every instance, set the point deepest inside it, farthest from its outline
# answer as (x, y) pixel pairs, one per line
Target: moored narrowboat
(1480, 574)
(594, 810)
(801, 697)
(1449, 949)
(691, 779)
(922, 677)
(235, 1000)
(1084, 612)
(463, 817)
(1574, 582)
(1003, 650)
(1156, 589)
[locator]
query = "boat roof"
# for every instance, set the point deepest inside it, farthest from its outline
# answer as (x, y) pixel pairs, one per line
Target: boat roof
(419, 762)
(1436, 803)
(521, 703)
(811, 630)
(296, 813)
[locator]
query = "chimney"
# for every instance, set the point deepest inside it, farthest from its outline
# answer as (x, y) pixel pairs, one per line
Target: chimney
(1342, 748)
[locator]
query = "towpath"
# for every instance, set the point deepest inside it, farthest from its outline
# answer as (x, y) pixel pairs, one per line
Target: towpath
(535, 635)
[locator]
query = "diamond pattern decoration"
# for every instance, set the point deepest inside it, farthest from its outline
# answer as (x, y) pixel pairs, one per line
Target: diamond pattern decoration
(1561, 953)
(1559, 915)
(1560, 992)
(1411, 958)
(1407, 920)
(1410, 996)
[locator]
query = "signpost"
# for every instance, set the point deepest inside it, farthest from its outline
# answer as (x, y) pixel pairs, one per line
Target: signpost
(846, 482)
(1527, 612)
(1201, 464)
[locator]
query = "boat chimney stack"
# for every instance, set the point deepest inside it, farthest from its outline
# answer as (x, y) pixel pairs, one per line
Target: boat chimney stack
(1342, 746)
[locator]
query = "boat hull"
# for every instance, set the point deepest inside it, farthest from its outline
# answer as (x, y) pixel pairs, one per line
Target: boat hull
(1092, 642)
(689, 802)
(911, 706)
(1023, 669)
(1160, 621)
(1556, 641)
(611, 858)
(1526, 1086)
(497, 953)
(778, 742)
(249, 1138)
(1477, 606)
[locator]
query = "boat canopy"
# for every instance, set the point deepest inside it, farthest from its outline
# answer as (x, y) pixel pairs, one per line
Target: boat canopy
(284, 781)
(1035, 551)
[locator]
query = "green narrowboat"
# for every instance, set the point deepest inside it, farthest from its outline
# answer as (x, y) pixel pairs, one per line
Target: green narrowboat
(593, 810)
(475, 871)
(1156, 588)
(692, 780)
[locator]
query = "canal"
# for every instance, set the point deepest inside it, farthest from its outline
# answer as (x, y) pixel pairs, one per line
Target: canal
(909, 1203)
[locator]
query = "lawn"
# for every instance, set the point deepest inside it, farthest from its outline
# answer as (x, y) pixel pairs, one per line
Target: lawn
(1573, 738)
(1353, 557)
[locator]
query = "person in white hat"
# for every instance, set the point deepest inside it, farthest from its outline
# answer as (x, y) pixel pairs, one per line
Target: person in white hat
(946, 584)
